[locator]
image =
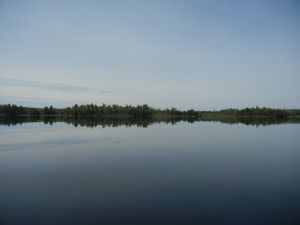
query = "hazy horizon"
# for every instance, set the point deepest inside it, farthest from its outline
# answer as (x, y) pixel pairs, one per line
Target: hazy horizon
(184, 54)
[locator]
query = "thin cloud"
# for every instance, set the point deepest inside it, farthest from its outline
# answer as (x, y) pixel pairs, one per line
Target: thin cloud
(52, 86)
(35, 101)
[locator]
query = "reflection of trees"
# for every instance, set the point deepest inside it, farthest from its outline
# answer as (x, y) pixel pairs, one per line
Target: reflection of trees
(253, 121)
(128, 122)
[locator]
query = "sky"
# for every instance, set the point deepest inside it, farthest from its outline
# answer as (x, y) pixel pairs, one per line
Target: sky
(204, 55)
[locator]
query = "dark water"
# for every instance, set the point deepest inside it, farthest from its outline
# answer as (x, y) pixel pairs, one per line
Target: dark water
(199, 173)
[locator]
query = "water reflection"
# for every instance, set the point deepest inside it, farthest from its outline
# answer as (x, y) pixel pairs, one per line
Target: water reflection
(200, 173)
(49, 143)
(115, 122)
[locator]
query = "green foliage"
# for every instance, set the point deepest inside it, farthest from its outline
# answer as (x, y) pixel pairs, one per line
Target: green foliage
(49, 111)
(12, 110)
(262, 112)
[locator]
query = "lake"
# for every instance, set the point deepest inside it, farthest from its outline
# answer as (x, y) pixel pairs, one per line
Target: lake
(183, 173)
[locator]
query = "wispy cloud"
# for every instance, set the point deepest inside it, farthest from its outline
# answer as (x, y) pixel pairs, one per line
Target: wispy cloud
(34, 101)
(53, 86)
(42, 85)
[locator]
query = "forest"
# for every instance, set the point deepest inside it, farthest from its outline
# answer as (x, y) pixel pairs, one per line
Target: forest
(141, 111)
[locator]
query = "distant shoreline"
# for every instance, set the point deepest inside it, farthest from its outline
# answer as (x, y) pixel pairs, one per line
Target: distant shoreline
(141, 115)
(142, 111)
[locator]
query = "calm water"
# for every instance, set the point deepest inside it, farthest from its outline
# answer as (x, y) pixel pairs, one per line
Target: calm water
(200, 173)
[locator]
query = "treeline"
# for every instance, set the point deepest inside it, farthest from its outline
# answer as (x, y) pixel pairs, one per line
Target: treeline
(94, 111)
(141, 112)
(254, 112)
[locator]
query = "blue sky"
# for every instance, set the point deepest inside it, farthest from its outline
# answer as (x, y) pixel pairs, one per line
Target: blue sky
(187, 54)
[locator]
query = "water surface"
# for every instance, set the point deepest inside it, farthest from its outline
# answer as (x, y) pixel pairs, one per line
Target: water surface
(187, 173)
